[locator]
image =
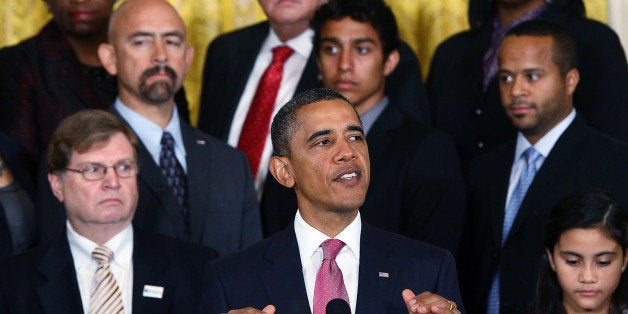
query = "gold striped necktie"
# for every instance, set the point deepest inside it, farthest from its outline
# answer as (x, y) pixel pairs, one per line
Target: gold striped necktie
(105, 295)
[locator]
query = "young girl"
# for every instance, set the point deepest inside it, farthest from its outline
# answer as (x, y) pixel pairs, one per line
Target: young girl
(586, 241)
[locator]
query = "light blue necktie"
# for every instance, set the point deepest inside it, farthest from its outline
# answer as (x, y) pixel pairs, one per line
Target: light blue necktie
(530, 156)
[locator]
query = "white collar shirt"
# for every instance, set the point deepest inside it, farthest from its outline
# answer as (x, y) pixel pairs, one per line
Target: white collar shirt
(292, 71)
(543, 146)
(150, 133)
(121, 265)
(348, 259)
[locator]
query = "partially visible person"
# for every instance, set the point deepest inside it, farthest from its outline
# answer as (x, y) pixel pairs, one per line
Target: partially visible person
(237, 103)
(463, 86)
(330, 252)
(17, 213)
(191, 186)
(356, 46)
(586, 245)
(56, 73)
(101, 263)
(511, 189)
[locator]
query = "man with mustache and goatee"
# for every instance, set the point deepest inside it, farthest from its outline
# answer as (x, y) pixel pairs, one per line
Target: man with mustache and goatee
(191, 185)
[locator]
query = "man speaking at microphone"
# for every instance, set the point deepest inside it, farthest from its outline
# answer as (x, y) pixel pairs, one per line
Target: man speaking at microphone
(319, 150)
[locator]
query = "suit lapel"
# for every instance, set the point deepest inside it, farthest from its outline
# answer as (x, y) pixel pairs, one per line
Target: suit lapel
(498, 188)
(309, 78)
(378, 137)
(198, 198)
(241, 62)
(283, 280)
(150, 175)
(561, 157)
(149, 268)
(376, 275)
(60, 294)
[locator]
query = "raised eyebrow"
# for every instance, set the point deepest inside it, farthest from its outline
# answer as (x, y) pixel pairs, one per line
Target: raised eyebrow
(173, 34)
(603, 253)
(359, 41)
(141, 34)
(333, 40)
(571, 253)
(318, 134)
(355, 128)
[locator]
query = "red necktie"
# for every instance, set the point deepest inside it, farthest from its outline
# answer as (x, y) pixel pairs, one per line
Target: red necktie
(257, 123)
(329, 283)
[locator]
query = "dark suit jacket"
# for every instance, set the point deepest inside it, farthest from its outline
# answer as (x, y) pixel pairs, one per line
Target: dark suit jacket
(415, 177)
(581, 159)
(6, 242)
(476, 119)
(222, 203)
(270, 273)
(42, 82)
(43, 280)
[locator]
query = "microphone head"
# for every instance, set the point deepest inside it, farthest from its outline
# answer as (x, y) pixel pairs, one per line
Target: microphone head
(338, 306)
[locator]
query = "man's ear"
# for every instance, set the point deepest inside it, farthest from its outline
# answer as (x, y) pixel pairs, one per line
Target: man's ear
(391, 62)
(189, 57)
(56, 185)
(282, 172)
(571, 80)
(107, 56)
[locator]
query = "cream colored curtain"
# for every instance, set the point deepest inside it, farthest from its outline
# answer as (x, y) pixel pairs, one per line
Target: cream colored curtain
(422, 23)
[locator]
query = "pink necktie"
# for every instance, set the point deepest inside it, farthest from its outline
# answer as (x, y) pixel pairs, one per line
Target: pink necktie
(329, 283)
(257, 122)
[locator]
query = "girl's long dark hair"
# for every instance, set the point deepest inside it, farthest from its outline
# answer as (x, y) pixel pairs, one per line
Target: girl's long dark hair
(581, 209)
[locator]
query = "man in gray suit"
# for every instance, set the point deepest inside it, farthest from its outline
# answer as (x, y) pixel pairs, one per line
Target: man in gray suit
(192, 186)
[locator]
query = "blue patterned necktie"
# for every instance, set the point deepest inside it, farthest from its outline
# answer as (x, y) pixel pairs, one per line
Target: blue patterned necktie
(173, 172)
(530, 156)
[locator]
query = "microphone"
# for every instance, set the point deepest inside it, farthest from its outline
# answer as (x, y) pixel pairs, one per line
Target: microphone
(337, 306)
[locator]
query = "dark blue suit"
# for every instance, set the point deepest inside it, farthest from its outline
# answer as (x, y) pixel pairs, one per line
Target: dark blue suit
(270, 272)
(44, 280)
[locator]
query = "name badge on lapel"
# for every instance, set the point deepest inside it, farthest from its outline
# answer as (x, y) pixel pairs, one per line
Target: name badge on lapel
(155, 292)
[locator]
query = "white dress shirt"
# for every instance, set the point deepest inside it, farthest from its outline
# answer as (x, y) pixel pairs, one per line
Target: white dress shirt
(292, 71)
(543, 146)
(121, 265)
(348, 259)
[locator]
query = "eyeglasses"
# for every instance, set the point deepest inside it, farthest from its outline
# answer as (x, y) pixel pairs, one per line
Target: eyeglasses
(93, 172)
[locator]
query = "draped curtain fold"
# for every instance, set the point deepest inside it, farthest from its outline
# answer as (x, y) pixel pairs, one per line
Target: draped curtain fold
(422, 23)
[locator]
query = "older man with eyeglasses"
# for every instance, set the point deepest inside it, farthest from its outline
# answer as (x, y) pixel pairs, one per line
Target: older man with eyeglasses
(101, 264)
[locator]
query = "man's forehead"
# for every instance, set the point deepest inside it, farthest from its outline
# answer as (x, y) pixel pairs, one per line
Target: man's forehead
(325, 115)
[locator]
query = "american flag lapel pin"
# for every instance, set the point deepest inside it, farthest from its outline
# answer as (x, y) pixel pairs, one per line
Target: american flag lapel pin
(383, 274)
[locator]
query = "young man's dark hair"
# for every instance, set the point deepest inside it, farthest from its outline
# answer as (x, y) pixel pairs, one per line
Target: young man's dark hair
(374, 12)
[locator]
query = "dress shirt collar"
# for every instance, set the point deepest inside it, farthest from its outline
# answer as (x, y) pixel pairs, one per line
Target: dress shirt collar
(547, 142)
(310, 239)
(370, 116)
(150, 133)
(301, 44)
(121, 245)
